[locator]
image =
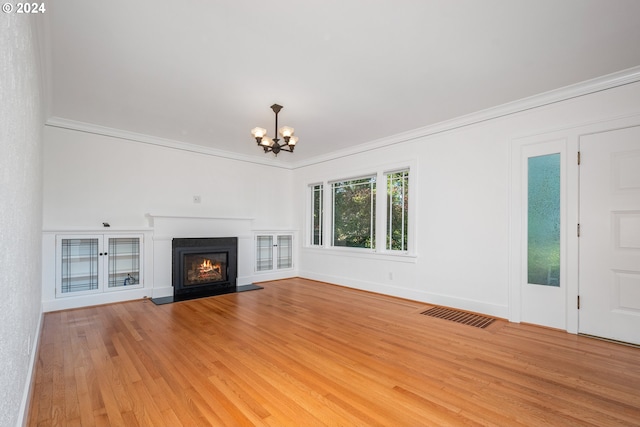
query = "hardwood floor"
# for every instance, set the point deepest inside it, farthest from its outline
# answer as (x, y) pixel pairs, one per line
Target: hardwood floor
(304, 353)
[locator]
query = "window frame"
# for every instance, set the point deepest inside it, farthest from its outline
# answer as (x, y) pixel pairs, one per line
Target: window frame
(405, 212)
(312, 222)
(380, 172)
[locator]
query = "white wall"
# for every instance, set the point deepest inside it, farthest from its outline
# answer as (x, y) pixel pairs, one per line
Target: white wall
(462, 202)
(21, 120)
(90, 179)
(463, 206)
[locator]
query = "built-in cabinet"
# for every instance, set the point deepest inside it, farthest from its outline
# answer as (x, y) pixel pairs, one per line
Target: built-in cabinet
(88, 264)
(84, 267)
(91, 266)
(274, 252)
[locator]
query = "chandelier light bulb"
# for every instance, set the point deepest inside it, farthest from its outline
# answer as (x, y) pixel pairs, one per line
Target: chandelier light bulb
(286, 131)
(258, 132)
(293, 140)
(266, 141)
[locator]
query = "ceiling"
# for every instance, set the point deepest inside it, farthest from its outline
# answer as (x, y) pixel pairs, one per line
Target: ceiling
(347, 72)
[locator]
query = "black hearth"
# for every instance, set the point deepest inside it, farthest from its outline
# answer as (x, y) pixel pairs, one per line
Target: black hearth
(204, 266)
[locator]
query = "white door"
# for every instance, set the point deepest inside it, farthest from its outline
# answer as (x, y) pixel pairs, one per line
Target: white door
(609, 243)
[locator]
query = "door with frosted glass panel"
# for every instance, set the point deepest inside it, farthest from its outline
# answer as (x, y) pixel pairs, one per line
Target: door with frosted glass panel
(543, 290)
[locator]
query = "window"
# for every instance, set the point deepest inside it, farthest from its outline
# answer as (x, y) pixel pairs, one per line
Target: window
(543, 252)
(397, 210)
(317, 200)
(359, 215)
(354, 213)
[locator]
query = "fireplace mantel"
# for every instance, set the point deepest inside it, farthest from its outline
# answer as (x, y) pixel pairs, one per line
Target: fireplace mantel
(175, 224)
(169, 225)
(151, 217)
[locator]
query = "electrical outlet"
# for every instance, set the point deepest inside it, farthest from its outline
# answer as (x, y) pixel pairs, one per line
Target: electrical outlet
(196, 199)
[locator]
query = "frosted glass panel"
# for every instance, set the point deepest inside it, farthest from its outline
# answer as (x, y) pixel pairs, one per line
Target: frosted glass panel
(543, 263)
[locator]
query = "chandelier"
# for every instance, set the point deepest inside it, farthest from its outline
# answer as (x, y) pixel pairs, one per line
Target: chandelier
(273, 145)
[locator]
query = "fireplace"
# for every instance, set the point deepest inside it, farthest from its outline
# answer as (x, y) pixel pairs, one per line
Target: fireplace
(204, 266)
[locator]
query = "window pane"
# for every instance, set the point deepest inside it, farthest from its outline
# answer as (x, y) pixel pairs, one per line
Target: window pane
(543, 257)
(317, 215)
(397, 210)
(354, 213)
(264, 255)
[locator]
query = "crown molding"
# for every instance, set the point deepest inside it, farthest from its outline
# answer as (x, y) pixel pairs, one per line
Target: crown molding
(609, 81)
(59, 122)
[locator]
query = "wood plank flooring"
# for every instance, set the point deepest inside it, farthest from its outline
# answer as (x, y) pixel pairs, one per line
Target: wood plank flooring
(304, 353)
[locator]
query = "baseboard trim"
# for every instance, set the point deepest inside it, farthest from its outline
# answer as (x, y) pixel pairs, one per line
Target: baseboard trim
(95, 299)
(25, 404)
(495, 310)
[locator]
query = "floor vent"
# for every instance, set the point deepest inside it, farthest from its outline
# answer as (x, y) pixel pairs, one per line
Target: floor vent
(459, 316)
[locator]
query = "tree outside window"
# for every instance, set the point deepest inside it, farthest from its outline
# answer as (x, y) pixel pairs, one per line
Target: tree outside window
(397, 210)
(353, 211)
(354, 218)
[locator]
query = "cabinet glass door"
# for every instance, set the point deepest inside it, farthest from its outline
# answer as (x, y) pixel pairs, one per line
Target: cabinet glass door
(284, 252)
(79, 265)
(264, 253)
(124, 261)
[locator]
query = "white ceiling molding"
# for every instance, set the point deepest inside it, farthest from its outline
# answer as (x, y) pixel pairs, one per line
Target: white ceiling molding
(608, 81)
(161, 142)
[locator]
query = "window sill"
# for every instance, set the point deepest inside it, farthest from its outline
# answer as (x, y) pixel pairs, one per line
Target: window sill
(362, 253)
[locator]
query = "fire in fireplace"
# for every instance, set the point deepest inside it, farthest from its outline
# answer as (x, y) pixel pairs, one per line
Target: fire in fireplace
(204, 266)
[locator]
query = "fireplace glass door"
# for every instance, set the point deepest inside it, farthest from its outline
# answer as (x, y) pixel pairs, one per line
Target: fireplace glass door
(200, 269)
